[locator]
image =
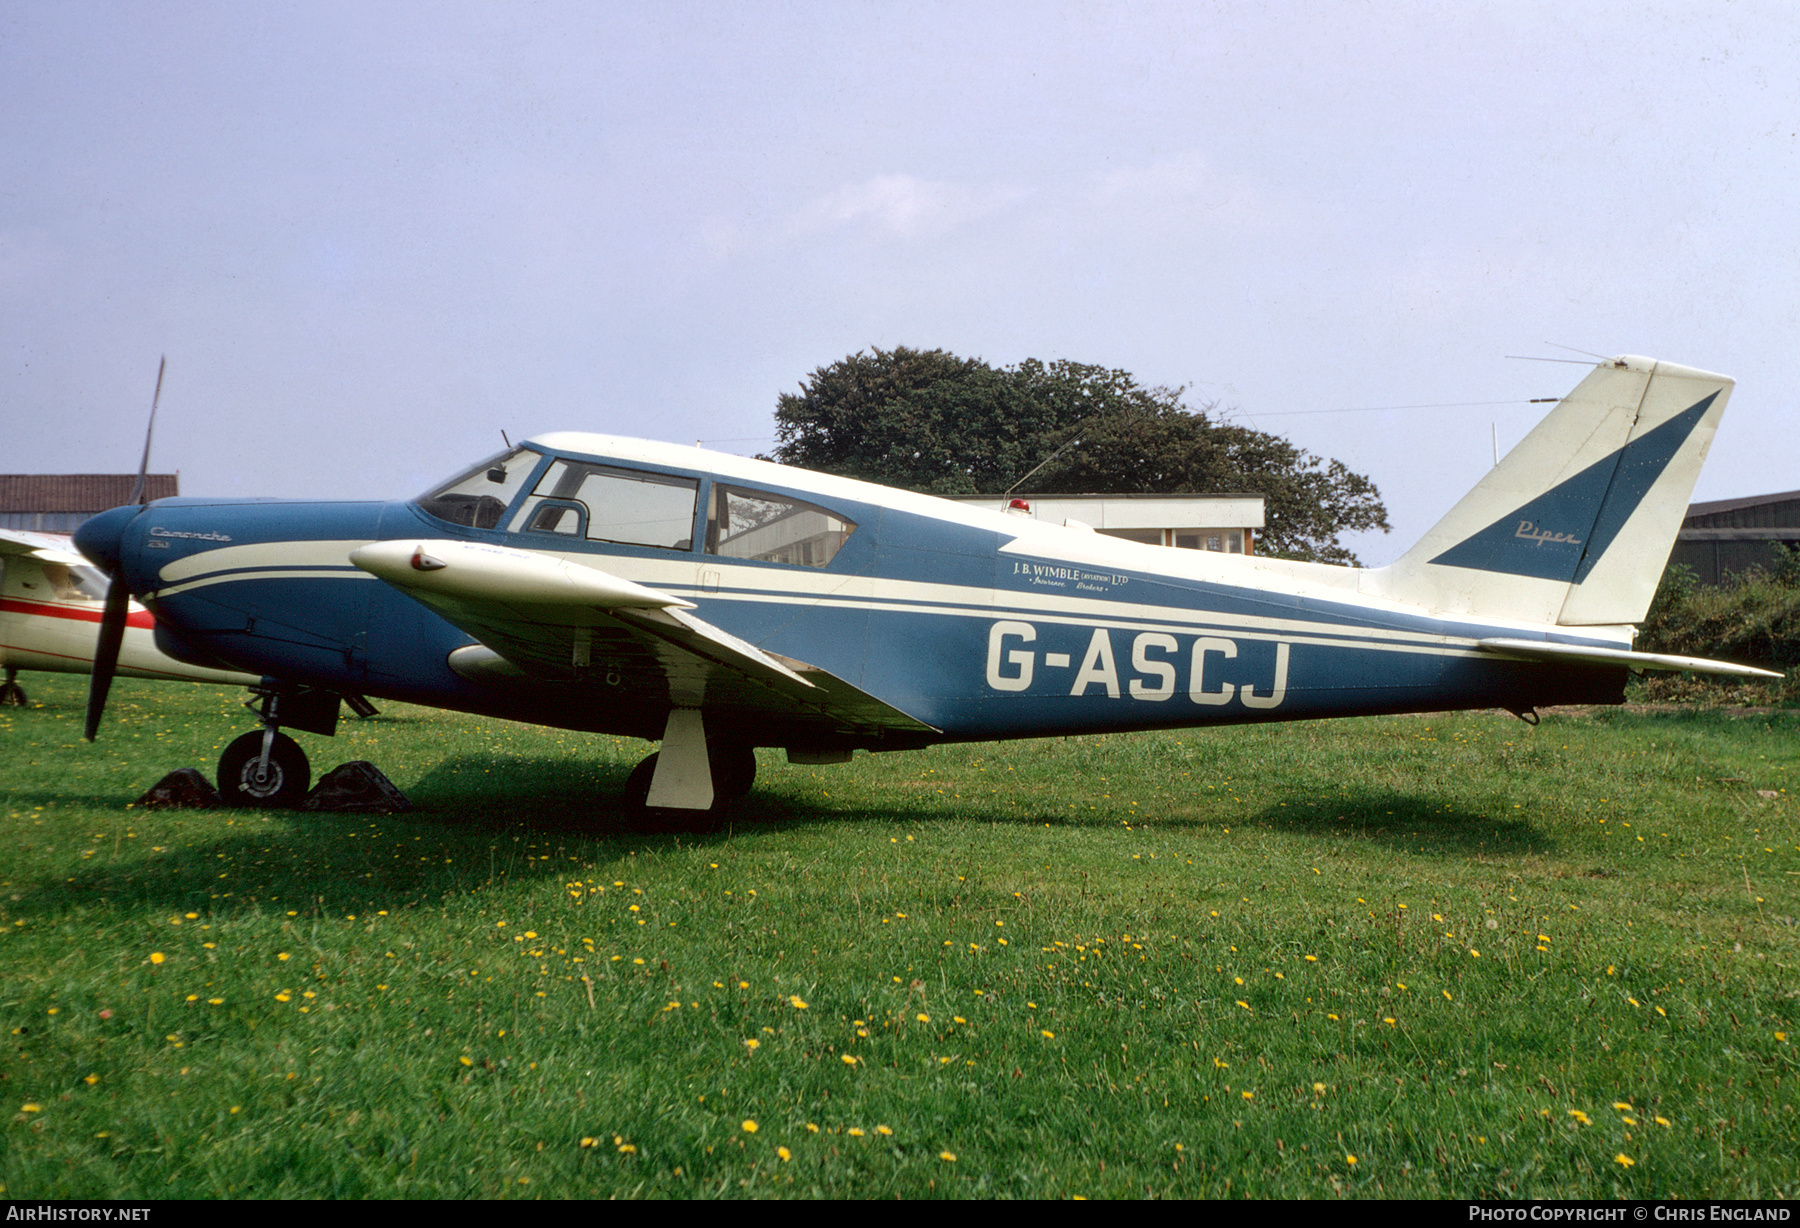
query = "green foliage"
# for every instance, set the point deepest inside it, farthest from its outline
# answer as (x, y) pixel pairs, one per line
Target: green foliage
(1754, 619)
(933, 422)
(1485, 961)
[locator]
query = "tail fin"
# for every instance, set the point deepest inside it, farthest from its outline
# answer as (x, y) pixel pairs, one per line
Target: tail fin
(1575, 525)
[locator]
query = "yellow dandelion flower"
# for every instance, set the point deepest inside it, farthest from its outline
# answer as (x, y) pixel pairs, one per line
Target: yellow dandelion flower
(1663, 1122)
(588, 1141)
(784, 1153)
(798, 1004)
(948, 1157)
(853, 1132)
(1047, 1033)
(1318, 1089)
(31, 1108)
(1243, 1004)
(1782, 1037)
(883, 1130)
(466, 1060)
(753, 1043)
(282, 956)
(922, 1017)
(1249, 1095)
(90, 1080)
(1579, 1116)
(1351, 1160)
(849, 1059)
(749, 1126)
(1312, 959)
(1623, 1160)
(811, 1128)
(283, 996)
(157, 957)
(1621, 1106)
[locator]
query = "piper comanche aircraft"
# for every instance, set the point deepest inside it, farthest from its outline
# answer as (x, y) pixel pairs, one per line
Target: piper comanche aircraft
(50, 605)
(718, 604)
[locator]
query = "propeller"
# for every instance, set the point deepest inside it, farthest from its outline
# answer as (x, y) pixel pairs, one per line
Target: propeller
(118, 596)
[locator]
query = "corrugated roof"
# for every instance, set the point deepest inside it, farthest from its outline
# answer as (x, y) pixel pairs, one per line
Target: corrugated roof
(78, 492)
(1732, 505)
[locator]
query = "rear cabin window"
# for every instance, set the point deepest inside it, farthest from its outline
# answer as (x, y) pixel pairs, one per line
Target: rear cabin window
(603, 504)
(754, 524)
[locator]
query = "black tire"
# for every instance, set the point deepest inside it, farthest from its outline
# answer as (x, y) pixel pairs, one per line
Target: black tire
(285, 782)
(733, 769)
(12, 695)
(637, 785)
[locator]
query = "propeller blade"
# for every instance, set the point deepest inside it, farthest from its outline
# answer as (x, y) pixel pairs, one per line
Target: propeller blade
(141, 488)
(106, 650)
(118, 596)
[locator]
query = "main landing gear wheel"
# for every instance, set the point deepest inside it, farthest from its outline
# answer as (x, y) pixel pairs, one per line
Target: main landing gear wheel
(733, 772)
(244, 780)
(12, 695)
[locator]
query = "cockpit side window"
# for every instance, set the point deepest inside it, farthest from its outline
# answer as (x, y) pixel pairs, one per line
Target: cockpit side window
(624, 506)
(478, 498)
(756, 524)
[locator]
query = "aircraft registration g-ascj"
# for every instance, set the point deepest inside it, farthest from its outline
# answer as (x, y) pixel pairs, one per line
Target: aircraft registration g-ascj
(50, 609)
(718, 604)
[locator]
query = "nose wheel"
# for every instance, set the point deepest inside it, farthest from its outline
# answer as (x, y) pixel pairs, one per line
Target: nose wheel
(264, 768)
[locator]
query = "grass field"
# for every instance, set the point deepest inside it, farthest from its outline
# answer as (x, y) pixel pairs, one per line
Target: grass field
(1421, 957)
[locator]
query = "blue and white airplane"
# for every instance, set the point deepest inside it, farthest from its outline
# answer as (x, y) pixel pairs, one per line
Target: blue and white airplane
(718, 604)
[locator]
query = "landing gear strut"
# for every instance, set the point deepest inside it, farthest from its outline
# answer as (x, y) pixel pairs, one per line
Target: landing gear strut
(266, 767)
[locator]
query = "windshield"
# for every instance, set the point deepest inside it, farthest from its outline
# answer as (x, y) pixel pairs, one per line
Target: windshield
(478, 497)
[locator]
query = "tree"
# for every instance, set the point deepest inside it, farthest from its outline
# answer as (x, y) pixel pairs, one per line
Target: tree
(929, 421)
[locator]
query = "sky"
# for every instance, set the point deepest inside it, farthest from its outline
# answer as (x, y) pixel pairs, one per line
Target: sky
(371, 237)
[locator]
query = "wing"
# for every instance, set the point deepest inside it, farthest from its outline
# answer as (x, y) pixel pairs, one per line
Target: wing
(551, 626)
(50, 547)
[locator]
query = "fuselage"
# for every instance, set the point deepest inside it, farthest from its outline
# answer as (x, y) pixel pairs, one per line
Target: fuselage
(977, 624)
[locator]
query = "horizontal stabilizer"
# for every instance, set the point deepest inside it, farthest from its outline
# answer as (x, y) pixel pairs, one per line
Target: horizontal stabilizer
(1579, 654)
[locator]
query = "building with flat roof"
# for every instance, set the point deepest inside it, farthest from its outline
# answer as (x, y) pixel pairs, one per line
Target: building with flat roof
(1222, 522)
